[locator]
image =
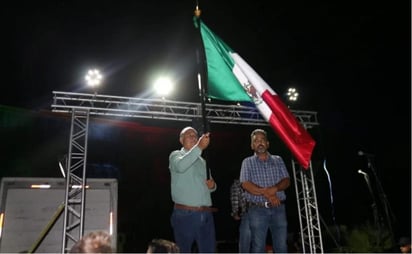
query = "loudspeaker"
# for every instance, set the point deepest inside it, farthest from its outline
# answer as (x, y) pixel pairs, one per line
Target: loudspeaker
(30, 205)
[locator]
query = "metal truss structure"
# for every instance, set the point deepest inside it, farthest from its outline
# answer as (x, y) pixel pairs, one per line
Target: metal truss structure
(82, 105)
(74, 209)
(310, 228)
(105, 105)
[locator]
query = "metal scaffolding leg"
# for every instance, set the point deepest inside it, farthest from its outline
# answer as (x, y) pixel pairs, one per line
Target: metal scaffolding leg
(74, 209)
(311, 234)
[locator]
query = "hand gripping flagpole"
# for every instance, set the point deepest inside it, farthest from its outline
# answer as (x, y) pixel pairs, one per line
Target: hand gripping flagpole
(202, 89)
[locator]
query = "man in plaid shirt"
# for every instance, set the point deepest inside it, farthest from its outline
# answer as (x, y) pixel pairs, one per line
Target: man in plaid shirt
(265, 178)
(239, 212)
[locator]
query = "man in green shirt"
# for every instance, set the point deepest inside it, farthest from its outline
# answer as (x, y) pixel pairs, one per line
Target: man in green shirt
(192, 218)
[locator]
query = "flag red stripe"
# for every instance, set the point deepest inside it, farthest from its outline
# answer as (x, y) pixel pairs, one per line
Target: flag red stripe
(282, 112)
(296, 138)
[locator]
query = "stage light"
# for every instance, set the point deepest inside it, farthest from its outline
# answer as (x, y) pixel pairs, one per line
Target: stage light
(1, 223)
(62, 169)
(93, 77)
(163, 86)
(111, 223)
(78, 186)
(40, 186)
(292, 94)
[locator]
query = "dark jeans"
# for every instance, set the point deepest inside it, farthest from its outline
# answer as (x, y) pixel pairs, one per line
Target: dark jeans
(194, 226)
(261, 219)
(244, 234)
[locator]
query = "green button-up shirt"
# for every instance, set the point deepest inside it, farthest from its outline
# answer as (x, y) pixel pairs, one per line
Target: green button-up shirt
(188, 178)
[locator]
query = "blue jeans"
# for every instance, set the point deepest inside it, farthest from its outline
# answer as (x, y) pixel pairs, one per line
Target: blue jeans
(261, 219)
(244, 234)
(194, 226)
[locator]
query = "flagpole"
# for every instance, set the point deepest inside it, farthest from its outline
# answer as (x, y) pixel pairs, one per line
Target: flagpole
(202, 90)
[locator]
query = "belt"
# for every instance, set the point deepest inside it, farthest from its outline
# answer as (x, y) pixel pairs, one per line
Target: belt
(196, 208)
(263, 204)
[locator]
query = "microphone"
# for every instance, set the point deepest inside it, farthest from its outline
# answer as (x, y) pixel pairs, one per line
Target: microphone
(363, 173)
(362, 153)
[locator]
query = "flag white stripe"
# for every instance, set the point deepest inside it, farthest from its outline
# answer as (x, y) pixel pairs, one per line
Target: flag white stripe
(243, 79)
(260, 85)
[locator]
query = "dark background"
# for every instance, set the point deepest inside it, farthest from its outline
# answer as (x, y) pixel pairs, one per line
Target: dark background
(350, 62)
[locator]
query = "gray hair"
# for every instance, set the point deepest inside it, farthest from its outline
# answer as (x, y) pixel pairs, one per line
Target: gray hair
(258, 131)
(186, 129)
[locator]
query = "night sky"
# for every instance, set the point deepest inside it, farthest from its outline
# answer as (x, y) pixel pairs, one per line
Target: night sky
(350, 61)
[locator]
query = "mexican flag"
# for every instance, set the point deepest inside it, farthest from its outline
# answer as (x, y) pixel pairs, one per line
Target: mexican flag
(230, 78)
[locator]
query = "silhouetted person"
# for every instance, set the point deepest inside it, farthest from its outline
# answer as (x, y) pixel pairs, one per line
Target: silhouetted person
(239, 212)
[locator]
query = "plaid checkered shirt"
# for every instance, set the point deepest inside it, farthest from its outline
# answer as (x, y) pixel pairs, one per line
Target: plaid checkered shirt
(237, 199)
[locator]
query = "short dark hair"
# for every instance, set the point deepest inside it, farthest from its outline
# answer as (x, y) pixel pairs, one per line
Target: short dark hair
(162, 246)
(404, 241)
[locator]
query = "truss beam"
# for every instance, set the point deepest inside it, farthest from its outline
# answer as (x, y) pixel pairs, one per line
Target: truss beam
(105, 105)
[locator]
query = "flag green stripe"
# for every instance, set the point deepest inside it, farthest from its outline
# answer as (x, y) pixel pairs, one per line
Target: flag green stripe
(222, 83)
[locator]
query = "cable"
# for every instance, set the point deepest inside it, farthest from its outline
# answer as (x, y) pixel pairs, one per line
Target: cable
(332, 205)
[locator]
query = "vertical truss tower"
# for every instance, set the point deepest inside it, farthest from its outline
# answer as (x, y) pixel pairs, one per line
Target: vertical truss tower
(310, 230)
(74, 210)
